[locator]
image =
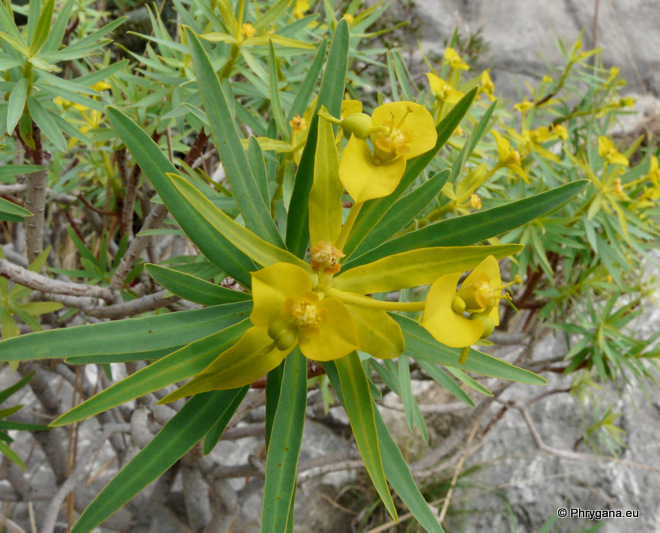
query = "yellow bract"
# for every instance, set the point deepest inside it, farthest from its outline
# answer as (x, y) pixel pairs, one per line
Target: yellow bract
(403, 130)
(509, 157)
(443, 90)
(607, 150)
(487, 85)
(479, 295)
(454, 59)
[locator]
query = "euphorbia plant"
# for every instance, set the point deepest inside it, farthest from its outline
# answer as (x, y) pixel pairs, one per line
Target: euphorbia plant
(309, 293)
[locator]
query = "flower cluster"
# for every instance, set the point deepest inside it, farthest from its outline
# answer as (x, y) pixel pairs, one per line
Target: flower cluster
(326, 312)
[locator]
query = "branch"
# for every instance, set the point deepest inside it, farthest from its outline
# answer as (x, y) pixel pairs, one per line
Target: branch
(77, 474)
(137, 246)
(41, 283)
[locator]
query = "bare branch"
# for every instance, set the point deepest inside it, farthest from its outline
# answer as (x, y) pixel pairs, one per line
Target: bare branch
(41, 283)
(77, 474)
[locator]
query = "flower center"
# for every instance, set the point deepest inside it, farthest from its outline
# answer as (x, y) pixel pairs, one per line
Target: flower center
(305, 314)
(395, 141)
(326, 257)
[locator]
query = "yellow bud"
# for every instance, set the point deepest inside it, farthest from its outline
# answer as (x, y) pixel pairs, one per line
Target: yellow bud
(349, 18)
(358, 124)
(475, 201)
(284, 334)
(248, 30)
(458, 305)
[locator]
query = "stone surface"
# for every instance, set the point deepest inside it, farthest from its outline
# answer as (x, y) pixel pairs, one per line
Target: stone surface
(520, 33)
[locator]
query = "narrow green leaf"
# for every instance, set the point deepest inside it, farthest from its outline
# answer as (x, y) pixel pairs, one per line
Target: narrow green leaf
(284, 447)
(59, 28)
(156, 166)
(443, 379)
(9, 171)
(421, 345)
(16, 105)
(374, 210)
(263, 252)
(6, 393)
(476, 227)
(330, 95)
(396, 467)
(234, 399)
(243, 184)
(273, 13)
(258, 166)
(43, 27)
(46, 123)
(124, 336)
(178, 436)
(273, 390)
(410, 407)
(19, 426)
(403, 212)
(192, 288)
(325, 211)
(306, 88)
(34, 9)
(11, 455)
(101, 359)
(12, 212)
(182, 364)
(360, 409)
(275, 105)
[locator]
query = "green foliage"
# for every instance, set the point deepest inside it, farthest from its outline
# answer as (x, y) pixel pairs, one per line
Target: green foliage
(254, 80)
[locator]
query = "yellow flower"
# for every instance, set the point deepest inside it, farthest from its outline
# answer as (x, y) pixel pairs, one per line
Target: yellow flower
(286, 313)
(454, 59)
(607, 150)
(326, 257)
(475, 201)
(298, 124)
(442, 90)
(348, 107)
(248, 30)
(614, 72)
(349, 18)
(101, 86)
(560, 131)
(446, 308)
(547, 79)
(402, 130)
(524, 106)
(300, 8)
(654, 172)
(618, 189)
(487, 85)
(509, 157)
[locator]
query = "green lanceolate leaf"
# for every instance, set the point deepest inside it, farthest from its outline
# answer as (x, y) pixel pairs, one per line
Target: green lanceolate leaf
(249, 243)
(43, 27)
(439, 375)
(273, 390)
(16, 104)
(156, 166)
(421, 345)
(178, 436)
(275, 103)
(11, 455)
(182, 364)
(258, 166)
(403, 212)
(46, 123)
(243, 185)
(301, 101)
(417, 267)
(9, 171)
(395, 466)
(124, 336)
(284, 447)
(215, 433)
(327, 189)
(6, 393)
(330, 96)
(360, 409)
(194, 289)
(374, 210)
(12, 212)
(476, 227)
